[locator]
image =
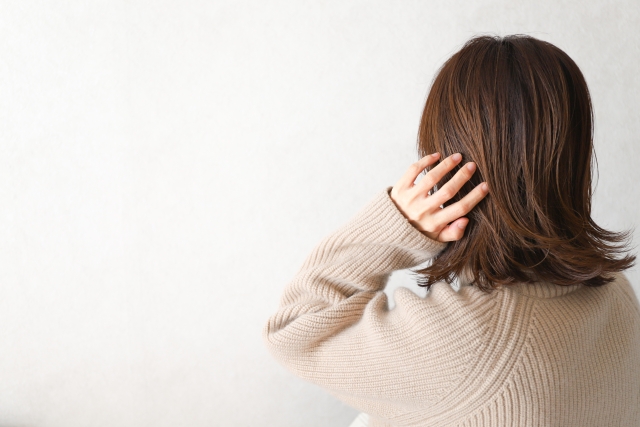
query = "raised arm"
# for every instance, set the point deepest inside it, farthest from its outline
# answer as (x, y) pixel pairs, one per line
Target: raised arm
(343, 273)
(333, 323)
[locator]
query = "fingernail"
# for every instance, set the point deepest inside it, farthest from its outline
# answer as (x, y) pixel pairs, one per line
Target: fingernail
(435, 154)
(462, 224)
(485, 187)
(456, 156)
(471, 166)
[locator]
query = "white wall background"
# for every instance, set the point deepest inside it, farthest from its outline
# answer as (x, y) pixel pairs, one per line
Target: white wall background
(165, 168)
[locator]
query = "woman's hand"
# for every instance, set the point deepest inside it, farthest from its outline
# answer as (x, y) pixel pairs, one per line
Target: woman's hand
(423, 211)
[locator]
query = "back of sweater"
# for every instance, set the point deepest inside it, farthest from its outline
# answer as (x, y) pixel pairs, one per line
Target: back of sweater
(527, 355)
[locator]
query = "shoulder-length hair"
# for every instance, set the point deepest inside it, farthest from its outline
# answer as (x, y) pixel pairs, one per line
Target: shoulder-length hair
(520, 108)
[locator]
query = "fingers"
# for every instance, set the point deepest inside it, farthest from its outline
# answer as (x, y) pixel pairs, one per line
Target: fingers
(415, 169)
(462, 206)
(435, 175)
(446, 224)
(454, 185)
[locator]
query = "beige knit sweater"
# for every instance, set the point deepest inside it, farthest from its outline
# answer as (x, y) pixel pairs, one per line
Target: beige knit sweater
(525, 355)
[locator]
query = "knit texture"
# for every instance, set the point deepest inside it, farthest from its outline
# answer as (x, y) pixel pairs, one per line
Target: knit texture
(525, 355)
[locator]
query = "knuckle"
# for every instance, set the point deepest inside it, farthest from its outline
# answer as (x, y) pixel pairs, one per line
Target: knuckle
(428, 182)
(431, 228)
(463, 209)
(417, 167)
(446, 192)
(462, 175)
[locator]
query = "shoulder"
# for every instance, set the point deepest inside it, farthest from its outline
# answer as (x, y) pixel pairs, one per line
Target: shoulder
(451, 312)
(621, 286)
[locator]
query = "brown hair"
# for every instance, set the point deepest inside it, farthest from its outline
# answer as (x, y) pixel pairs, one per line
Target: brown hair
(520, 108)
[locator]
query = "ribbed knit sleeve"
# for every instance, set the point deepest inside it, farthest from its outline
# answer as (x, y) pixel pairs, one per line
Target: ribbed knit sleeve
(343, 274)
(334, 328)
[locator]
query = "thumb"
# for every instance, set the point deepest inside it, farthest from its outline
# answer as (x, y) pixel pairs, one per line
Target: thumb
(453, 231)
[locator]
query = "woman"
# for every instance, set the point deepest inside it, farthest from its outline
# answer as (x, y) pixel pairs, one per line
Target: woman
(544, 329)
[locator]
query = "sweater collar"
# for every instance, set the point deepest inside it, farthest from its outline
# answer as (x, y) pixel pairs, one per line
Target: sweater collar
(538, 289)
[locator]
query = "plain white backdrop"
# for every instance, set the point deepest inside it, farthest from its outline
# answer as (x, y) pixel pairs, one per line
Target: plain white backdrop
(165, 168)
